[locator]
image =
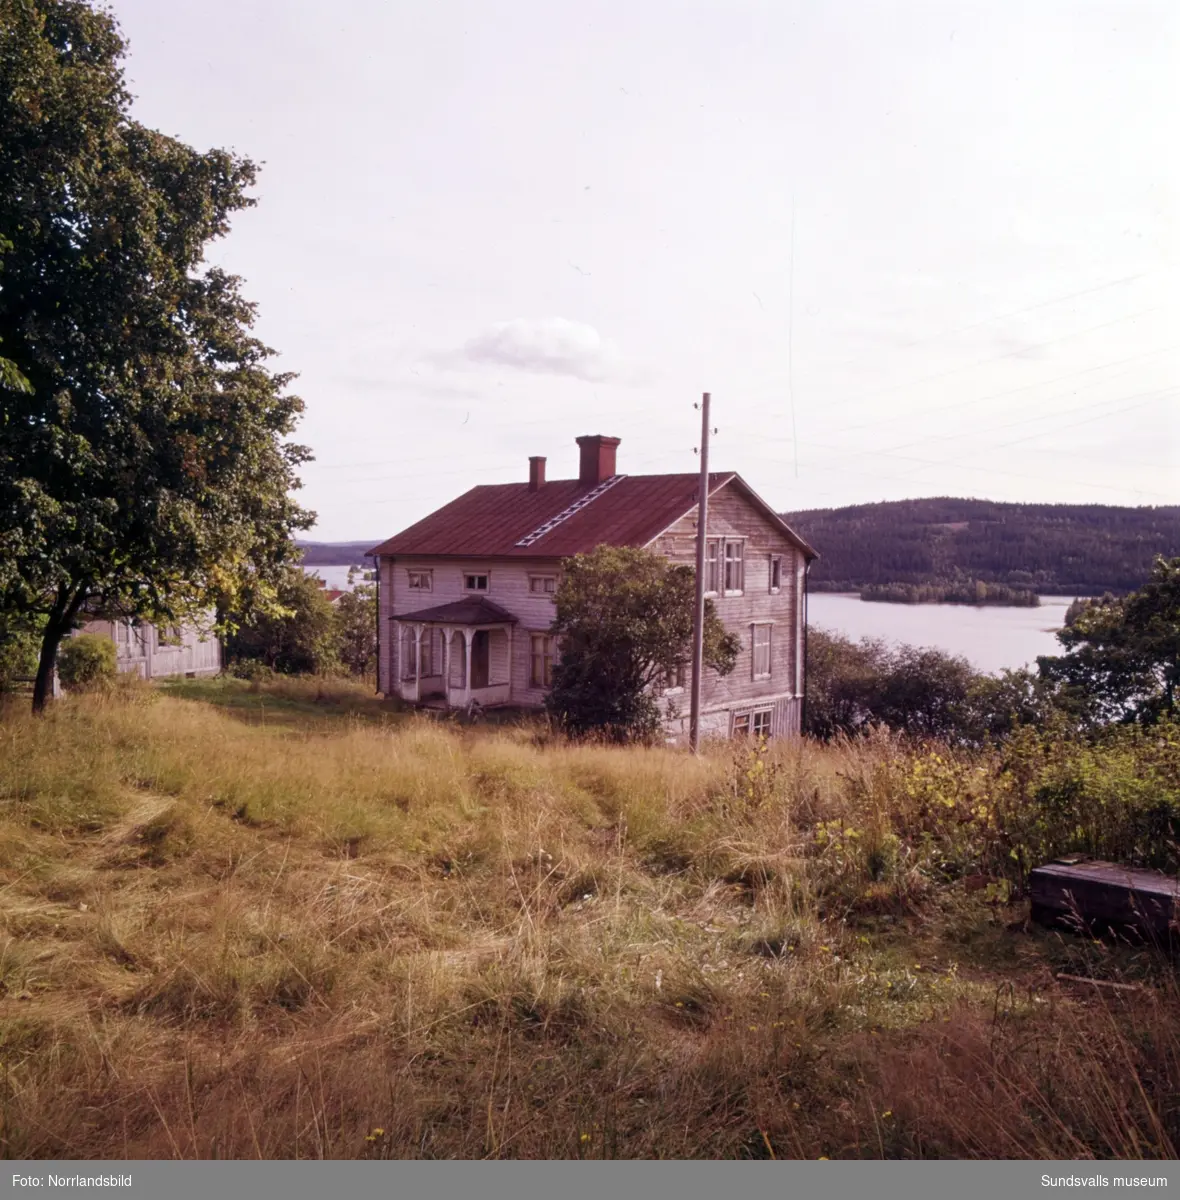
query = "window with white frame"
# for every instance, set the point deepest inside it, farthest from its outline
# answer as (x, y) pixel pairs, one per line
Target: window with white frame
(543, 585)
(427, 652)
(542, 660)
(409, 654)
(674, 678)
(122, 633)
(776, 573)
(735, 567)
(712, 566)
(760, 644)
(752, 724)
(421, 581)
(475, 583)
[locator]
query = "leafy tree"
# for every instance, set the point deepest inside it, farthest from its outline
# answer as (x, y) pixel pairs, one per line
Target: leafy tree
(1123, 656)
(997, 705)
(143, 467)
(19, 643)
(356, 627)
(843, 682)
(924, 692)
(921, 692)
(624, 620)
(297, 637)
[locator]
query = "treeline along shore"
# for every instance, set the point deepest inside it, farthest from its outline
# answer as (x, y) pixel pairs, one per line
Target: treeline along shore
(945, 548)
(969, 592)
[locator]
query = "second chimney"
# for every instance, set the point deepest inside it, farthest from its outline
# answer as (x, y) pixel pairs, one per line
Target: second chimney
(598, 459)
(536, 473)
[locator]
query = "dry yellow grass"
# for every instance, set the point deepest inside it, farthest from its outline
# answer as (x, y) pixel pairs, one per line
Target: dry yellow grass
(228, 934)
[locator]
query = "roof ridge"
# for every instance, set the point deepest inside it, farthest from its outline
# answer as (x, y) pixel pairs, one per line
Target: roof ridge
(566, 513)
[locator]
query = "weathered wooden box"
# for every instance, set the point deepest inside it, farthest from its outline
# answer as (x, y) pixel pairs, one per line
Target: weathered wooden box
(1106, 897)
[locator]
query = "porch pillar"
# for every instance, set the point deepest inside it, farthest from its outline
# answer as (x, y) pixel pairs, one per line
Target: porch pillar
(511, 662)
(467, 638)
(447, 631)
(417, 663)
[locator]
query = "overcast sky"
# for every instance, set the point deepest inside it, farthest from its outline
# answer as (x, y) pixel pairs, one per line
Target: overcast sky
(911, 249)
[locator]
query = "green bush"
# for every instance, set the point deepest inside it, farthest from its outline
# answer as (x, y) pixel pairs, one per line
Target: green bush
(86, 661)
(18, 656)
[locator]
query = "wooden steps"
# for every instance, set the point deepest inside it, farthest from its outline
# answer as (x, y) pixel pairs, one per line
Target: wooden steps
(1101, 896)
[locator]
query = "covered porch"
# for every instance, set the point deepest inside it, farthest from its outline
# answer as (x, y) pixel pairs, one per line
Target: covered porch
(455, 655)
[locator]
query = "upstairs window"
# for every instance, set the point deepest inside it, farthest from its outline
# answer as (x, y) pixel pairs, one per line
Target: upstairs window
(761, 651)
(543, 585)
(776, 574)
(712, 566)
(475, 583)
(421, 581)
(735, 567)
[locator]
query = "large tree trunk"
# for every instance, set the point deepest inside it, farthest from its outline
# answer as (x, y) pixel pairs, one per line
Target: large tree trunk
(61, 618)
(43, 687)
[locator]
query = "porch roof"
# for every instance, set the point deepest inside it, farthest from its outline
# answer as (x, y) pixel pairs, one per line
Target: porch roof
(476, 610)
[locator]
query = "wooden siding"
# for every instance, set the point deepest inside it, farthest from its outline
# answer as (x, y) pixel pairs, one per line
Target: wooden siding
(140, 649)
(508, 586)
(731, 516)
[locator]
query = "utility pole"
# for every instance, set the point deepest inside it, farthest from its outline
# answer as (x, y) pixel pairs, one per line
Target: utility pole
(698, 624)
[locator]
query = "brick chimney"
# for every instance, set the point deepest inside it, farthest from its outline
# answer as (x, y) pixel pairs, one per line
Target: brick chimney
(598, 459)
(536, 473)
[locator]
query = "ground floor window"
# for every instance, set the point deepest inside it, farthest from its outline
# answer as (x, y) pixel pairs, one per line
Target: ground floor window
(542, 670)
(756, 723)
(674, 679)
(409, 654)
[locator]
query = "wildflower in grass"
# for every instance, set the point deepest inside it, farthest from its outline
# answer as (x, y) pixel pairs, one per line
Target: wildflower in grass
(585, 1137)
(887, 1114)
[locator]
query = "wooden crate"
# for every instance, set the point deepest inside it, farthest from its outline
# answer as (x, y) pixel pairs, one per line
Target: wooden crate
(1106, 897)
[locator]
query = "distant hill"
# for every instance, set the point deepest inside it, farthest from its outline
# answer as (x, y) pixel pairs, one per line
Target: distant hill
(337, 554)
(1057, 549)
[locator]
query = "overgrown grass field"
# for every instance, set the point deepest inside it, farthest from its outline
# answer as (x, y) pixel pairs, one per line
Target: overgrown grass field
(288, 920)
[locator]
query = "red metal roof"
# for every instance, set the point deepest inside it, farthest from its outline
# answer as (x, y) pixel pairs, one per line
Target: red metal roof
(489, 521)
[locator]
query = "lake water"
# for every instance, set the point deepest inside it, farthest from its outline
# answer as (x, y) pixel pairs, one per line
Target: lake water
(334, 577)
(990, 638)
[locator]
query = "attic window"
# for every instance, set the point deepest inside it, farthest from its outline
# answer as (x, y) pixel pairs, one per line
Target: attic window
(776, 573)
(475, 583)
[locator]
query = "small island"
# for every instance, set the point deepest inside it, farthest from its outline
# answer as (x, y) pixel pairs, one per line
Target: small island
(972, 591)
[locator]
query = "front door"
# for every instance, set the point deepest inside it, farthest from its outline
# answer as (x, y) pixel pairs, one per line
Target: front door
(479, 659)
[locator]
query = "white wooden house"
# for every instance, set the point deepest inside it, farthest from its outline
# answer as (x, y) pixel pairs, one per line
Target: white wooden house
(153, 653)
(465, 596)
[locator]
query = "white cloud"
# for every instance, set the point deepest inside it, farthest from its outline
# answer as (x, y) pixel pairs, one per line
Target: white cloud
(552, 346)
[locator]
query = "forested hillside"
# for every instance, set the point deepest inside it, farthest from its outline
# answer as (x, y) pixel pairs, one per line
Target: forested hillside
(1052, 548)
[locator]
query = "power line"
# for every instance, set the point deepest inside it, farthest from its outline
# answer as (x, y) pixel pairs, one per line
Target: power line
(994, 358)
